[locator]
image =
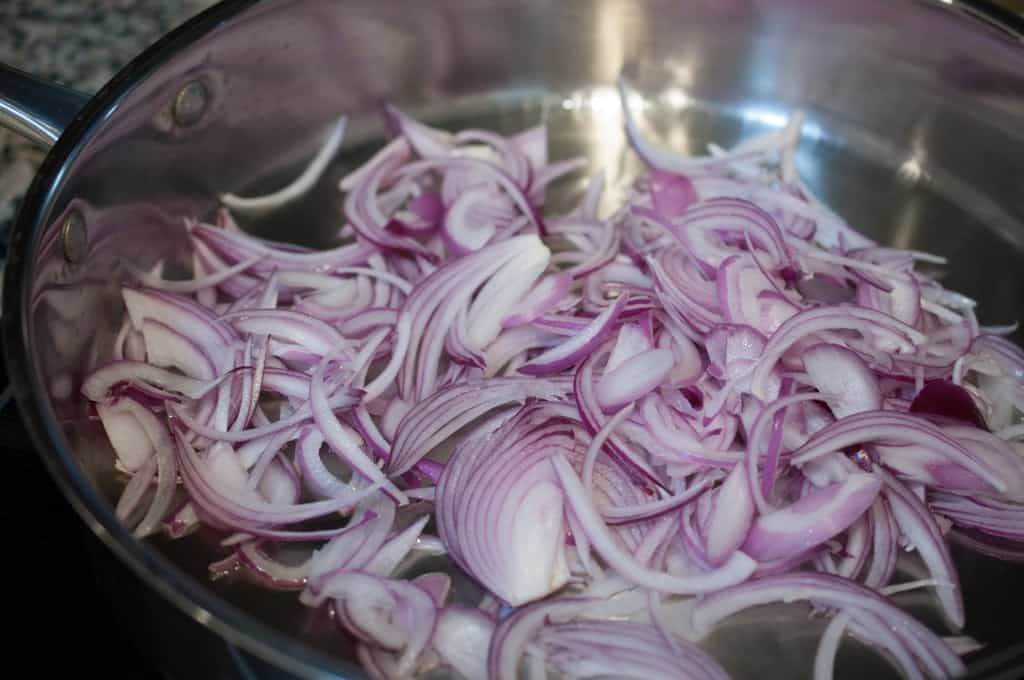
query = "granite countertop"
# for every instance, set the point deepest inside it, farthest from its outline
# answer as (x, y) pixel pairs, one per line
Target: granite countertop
(78, 43)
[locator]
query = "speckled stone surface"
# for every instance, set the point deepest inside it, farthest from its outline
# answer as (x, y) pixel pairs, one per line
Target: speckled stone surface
(78, 43)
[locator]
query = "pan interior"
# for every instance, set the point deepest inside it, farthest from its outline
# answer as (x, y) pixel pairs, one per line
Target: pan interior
(885, 190)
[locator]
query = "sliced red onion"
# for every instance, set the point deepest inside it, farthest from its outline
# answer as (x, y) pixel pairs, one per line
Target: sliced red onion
(280, 484)
(181, 521)
(709, 313)
(165, 347)
(187, 318)
(836, 592)
(824, 289)
(593, 418)
(868, 322)
(855, 550)
(1009, 357)
(996, 518)
(367, 531)
(512, 635)
(341, 398)
(365, 214)
(731, 516)
(700, 228)
(921, 530)
(735, 570)
(634, 378)
(664, 159)
(342, 440)
(896, 428)
(426, 141)
(135, 489)
(996, 454)
(225, 500)
(624, 649)
(437, 418)
(884, 548)
(509, 350)
(275, 574)
(843, 378)
(671, 194)
(393, 615)
(747, 296)
(507, 492)
(462, 233)
(294, 327)
(135, 429)
(395, 550)
(479, 170)
(436, 301)
(297, 187)
(462, 637)
(507, 286)
(238, 247)
(824, 659)
(127, 436)
(815, 518)
(943, 398)
(545, 295)
(630, 341)
(597, 246)
(437, 584)
(315, 475)
(572, 351)
(194, 285)
(624, 514)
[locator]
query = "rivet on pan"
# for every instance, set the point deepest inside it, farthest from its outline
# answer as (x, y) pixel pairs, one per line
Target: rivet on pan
(73, 236)
(190, 103)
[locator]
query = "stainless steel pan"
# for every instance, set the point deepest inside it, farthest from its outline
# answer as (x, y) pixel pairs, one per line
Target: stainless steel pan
(914, 132)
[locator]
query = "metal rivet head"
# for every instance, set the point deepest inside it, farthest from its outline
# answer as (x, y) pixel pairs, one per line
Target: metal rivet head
(190, 103)
(73, 236)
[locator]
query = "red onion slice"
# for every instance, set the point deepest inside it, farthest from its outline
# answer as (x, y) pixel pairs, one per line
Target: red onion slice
(572, 351)
(731, 517)
(386, 613)
(735, 570)
(439, 417)
(634, 378)
(843, 378)
(508, 509)
(922, 531)
(462, 637)
(813, 519)
(297, 187)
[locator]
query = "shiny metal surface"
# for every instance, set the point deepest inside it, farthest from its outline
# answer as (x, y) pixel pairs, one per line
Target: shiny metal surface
(914, 132)
(34, 108)
(190, 103)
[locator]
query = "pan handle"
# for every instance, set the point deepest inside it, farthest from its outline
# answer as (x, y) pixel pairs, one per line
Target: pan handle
(34, 108)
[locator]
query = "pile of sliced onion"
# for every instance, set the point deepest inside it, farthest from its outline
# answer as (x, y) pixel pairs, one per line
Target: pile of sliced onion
(623, 427)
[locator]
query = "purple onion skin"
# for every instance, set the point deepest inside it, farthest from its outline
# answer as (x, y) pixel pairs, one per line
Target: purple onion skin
(947, 400)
